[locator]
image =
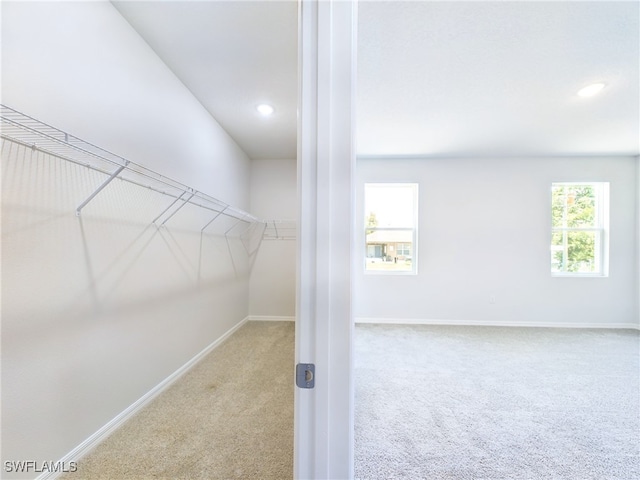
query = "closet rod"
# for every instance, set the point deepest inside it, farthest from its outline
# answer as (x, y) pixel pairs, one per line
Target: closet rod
(28, 131)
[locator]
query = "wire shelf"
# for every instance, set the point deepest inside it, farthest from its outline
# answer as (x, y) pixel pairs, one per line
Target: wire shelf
(23, 129)
(280, 230)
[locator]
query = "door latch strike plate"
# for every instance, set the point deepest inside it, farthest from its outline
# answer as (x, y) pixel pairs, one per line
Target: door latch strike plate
(305, 375)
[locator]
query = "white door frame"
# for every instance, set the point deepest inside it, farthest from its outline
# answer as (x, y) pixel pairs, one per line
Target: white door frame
(323, 443)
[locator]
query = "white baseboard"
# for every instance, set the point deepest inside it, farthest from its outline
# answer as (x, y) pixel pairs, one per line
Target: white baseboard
(93, 441)
(490, 323)
(270, 318)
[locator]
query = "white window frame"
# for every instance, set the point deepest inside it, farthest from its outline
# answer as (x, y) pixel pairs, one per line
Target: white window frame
(601, 229)
(413, 228)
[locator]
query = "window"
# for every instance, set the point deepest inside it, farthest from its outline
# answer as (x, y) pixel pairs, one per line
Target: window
(390, 227)
(580, 213)
(404, 249)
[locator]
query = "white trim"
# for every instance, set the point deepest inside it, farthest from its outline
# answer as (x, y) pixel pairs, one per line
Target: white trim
(271, 318)
(413, 229)
(638, 238)
(491, 323)
(94, 440)
(323, 415)
(601, 252)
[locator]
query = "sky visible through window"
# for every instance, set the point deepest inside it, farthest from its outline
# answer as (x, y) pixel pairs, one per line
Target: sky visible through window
(390, 223)
(391, 203)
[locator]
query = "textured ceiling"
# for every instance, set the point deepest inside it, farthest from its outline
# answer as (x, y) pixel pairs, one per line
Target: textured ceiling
(435, 78)
(487, 78)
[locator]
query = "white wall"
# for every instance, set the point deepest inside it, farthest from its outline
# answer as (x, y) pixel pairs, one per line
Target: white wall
(80, 67)
(97, 310)
(484, 230)
(273, 277)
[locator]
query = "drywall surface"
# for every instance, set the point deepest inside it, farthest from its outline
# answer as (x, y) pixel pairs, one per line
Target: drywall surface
(80, 67)
(99, 309)
(273, 276)
(484, 245)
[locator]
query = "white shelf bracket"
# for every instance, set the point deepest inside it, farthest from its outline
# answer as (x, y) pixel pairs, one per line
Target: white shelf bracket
(234, 225)
(101, 187)
(214, 218)
(178, 209)
(167, 209)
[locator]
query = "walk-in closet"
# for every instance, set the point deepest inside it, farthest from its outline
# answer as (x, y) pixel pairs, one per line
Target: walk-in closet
(320, 239)
(148, 253)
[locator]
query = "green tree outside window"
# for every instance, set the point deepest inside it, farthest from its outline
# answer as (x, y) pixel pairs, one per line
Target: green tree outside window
(576, 228)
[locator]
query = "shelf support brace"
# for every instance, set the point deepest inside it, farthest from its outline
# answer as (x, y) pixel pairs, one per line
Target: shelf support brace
(167, 209)
(101, 187)
(234, 225)
(178, 209)
(214, 218)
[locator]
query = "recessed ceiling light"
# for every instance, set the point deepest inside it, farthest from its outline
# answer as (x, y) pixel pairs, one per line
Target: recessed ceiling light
(591, 90)
(265, 109)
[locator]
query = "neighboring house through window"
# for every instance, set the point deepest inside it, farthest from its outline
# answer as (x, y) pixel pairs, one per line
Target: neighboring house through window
(391, 227)
(580, 223)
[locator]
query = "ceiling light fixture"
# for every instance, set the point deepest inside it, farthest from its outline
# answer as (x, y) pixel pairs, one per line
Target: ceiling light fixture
(590, 90)
(264, 109)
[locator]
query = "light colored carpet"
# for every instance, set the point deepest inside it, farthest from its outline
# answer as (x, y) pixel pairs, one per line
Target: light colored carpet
(451, 402)
(230, 417)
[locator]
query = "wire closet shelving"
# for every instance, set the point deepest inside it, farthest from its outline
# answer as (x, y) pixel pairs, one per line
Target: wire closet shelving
(23, 129)
(279, 230)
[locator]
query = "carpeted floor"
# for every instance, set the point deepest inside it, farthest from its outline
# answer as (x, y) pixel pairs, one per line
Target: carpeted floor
(432, 402)
(451, 402)
(230, 417)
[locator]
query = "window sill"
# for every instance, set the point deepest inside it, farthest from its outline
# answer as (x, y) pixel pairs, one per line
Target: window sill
(579, 275)
(387, 273)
